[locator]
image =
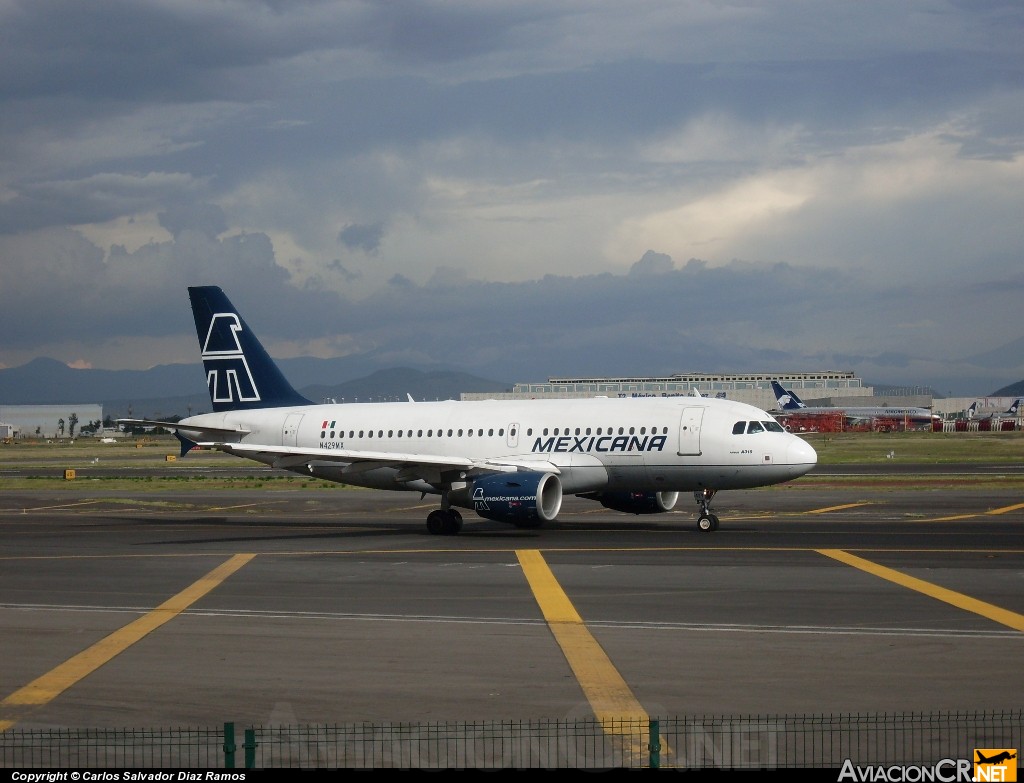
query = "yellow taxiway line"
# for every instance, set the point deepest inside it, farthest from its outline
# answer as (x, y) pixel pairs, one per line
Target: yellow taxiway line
(959, 600)
(50, 685)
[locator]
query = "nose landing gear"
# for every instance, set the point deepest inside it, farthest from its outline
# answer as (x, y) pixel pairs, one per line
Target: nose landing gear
(706, 520)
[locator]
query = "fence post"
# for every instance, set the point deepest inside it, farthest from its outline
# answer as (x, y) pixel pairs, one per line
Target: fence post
(229, 746)
(250, 748)
(654, 746)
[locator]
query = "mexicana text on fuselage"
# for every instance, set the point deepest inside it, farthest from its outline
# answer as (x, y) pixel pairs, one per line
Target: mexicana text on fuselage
(585, 444)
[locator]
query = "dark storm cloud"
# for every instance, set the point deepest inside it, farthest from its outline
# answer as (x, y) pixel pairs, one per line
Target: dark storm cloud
(362, 237)
(547, 186)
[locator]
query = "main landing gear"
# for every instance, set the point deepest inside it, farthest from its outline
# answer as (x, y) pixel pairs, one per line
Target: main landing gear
(706, 521)
(444, 521)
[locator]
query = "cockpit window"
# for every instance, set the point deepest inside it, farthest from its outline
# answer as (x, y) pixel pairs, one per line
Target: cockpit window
(756, 426)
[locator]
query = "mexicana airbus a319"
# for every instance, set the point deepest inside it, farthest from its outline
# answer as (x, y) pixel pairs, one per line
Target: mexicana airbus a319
(507, 460)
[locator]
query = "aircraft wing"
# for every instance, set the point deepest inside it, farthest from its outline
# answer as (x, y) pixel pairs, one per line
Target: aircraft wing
(412, 465)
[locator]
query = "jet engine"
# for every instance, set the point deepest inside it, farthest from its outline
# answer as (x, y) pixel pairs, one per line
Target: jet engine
(524, 499)
(636, 502)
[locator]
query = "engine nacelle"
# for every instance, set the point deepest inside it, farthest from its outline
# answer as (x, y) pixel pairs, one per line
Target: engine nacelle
(637, 502)
(524, 499)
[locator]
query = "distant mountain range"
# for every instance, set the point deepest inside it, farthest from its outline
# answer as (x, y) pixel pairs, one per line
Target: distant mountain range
(180, 389)
(1013, 390)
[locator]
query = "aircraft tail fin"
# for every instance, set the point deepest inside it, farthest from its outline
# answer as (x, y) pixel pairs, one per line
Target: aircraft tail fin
(786, 399)
(1014, 410)
(239, 371)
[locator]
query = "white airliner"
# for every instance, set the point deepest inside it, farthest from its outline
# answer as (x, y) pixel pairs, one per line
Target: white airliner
(789, 403)
(1010, 413)
(507, 460)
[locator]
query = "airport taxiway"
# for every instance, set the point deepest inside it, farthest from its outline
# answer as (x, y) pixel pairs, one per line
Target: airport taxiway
(271, 606)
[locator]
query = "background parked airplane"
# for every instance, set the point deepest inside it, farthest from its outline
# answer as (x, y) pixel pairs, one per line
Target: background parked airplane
(911, 417)
(507, 460)
(1010, 413)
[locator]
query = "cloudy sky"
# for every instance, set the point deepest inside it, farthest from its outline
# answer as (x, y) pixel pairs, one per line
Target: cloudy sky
(521, 188)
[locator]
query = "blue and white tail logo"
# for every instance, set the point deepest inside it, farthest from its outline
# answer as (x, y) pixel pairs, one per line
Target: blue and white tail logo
(786, 399)
(227, 371)
(239, 371)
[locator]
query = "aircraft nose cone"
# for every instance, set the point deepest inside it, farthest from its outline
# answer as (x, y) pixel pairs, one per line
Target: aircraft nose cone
(800, 452)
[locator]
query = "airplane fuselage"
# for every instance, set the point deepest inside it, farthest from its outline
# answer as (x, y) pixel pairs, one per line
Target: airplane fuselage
(915, 416)
(680, 444)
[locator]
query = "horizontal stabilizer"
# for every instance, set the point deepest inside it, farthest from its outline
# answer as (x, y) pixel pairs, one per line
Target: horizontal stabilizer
(176, 426)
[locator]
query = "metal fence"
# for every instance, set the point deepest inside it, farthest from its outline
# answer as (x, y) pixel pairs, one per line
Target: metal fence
(685, 743)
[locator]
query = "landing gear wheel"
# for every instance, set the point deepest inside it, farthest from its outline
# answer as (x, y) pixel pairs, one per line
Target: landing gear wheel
(707, 522)
(436, 522)
(444, 522)
(454, 523)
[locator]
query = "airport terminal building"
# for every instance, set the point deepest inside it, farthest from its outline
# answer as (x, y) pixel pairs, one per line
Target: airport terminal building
(752, 388)
(828, 388)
